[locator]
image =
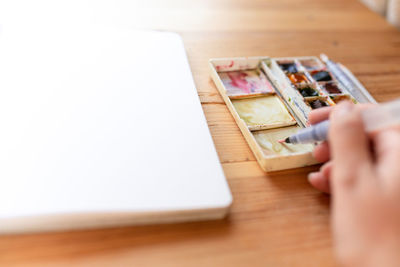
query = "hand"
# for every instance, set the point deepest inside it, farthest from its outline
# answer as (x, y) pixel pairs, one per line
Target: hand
(321, 180)
(363, 173)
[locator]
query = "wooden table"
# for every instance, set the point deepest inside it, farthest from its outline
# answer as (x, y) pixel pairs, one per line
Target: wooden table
(277, 219)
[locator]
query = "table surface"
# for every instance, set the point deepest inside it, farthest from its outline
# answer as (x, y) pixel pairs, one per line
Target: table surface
(276, 219)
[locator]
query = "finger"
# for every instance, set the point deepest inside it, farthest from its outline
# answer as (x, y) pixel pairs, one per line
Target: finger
(321, 180)
(321, 152)
(349, 145)
(387, 154)
(322, 114)
(319, 115)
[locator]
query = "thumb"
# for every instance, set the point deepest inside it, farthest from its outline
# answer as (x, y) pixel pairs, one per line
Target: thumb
(349, 144)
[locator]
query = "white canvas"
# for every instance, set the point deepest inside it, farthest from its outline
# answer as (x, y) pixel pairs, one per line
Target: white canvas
(102, 127)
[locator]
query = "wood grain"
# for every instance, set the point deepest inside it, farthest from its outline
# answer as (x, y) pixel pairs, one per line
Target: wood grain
(277, 219)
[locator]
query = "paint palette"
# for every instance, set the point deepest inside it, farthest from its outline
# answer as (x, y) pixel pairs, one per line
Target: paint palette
(271, 98)
(240, 84)
(263, 112)
(268, 141)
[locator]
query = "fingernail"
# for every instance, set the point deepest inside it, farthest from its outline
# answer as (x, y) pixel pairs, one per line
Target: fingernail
(343, 108)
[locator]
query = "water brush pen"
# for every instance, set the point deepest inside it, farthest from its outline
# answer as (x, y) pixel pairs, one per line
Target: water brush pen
(374, 118)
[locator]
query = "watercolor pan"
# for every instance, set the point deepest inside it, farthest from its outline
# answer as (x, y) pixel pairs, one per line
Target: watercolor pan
(339, 98)
(308, 90)
(311, 64)
(317, 102)
(331, 88)
(290, 66)
(321, 76)
(298, 77)
(265, 114)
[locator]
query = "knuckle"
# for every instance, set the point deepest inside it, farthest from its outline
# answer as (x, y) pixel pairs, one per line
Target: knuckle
(345, 181)
(349, 177)
(354, 177)
(350, 123)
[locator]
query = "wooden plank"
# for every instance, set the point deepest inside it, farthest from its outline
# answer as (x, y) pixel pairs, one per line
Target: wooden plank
(241, 16)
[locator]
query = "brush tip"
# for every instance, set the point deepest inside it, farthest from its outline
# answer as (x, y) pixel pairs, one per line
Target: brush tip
(286, 141)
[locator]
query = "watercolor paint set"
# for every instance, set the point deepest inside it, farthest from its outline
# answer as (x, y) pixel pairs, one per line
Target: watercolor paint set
(271, 98)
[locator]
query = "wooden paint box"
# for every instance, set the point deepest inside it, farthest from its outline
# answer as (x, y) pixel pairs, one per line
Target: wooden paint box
(270, 99)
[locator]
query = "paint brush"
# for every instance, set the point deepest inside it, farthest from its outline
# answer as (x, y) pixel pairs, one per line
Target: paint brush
(315, 133)
(375, 118)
